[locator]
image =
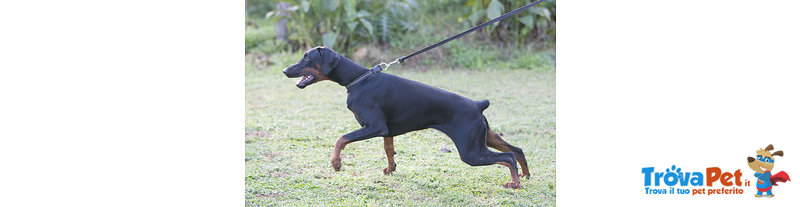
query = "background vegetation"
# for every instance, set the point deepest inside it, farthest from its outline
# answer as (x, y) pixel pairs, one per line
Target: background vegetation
(374, 31)
(290, 132)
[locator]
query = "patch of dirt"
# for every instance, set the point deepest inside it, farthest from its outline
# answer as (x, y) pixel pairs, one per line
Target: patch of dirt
(435, 55)
(371, 55)
(261, 61)
(256, 134)
(322, 176)
(271, 195)
(514, 132)
(444, 149)
(270, 156)
(278, 174)
(546, 131)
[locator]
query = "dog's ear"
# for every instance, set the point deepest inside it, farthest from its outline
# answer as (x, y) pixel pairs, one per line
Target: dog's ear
(769, 148)
(779, 153)
(330, 59)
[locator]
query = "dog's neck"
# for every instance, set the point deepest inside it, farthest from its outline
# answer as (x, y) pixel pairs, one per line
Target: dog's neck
(346, 71)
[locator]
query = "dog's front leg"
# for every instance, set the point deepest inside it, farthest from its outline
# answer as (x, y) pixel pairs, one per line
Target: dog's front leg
(361, 134)
(374, 126)
(388, 147)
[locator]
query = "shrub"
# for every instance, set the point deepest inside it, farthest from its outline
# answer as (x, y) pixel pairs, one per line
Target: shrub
(253, 37)
(346, 24)
(535, 23)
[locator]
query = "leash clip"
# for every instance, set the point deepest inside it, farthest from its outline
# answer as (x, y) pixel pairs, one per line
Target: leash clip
(385, 66)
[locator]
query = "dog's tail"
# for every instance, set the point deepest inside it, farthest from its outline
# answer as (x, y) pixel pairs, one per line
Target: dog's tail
(482, 104)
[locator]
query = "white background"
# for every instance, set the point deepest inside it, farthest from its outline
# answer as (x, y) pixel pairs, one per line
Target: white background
(121, 103)
(141, 103)
(693, 83)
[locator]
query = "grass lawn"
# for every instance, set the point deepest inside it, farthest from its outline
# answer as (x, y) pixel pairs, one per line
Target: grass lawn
(290, 134)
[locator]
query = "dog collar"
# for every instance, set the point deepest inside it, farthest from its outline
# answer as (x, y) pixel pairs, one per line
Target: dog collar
(365, 75)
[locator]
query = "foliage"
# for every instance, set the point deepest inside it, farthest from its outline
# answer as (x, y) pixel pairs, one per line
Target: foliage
(259, 37)
(258, 8)
(345, 24)
(256, 36)
(525, 41)
(538, 22)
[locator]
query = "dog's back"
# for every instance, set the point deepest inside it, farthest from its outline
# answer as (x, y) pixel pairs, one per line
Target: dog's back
(410, 105)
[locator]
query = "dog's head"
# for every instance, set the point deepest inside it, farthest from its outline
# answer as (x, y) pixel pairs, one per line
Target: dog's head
(764, 160)
(315, 66)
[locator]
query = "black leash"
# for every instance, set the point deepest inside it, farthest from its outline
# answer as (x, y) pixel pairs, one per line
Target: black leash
(384, 66)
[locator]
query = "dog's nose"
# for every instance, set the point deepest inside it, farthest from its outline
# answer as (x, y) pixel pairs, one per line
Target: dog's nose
(751, 159)
(285, 70)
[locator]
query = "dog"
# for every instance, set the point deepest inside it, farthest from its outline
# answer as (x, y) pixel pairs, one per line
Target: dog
(387, 106)
(763, 164)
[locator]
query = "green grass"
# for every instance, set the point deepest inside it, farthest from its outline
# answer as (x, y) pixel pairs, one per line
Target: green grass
(290, 134)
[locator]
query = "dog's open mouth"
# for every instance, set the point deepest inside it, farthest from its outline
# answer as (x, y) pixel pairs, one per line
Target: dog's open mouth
(305, 81)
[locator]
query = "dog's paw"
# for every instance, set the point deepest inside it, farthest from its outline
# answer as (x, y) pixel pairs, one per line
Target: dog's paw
(389, 169)
(512, 185)
(336, 163)
(526, 176)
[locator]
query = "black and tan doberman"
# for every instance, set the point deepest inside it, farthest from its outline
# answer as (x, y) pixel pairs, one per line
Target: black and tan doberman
(386, 106)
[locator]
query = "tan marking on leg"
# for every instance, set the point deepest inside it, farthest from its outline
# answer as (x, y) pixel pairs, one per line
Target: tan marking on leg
(336, 160)
(388, 147)
(514, 177)
(494, 140)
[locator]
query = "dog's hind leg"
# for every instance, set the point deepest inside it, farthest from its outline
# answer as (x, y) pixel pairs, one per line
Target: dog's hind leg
(484, 156)
(471, 145)
(388, 146)
(495, 141)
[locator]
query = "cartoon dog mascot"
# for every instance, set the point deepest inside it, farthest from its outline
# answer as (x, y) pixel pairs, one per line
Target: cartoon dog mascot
(763, 164)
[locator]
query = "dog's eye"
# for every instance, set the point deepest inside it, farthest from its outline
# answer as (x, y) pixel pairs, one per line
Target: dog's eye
(305, 58)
